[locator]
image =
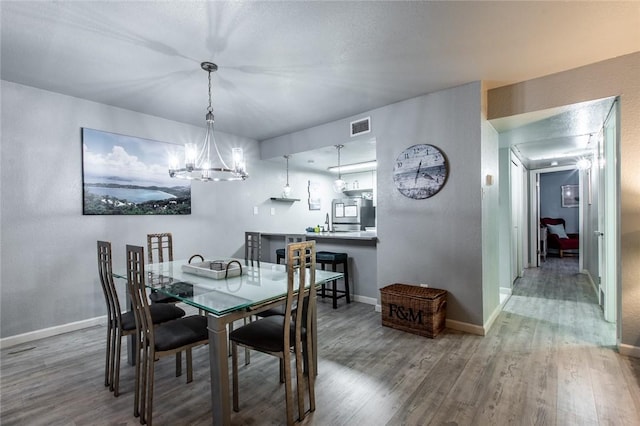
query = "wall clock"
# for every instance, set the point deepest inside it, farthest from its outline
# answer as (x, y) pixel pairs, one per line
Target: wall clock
(420, 171)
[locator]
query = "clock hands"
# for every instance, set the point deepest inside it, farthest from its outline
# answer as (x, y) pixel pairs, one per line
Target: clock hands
(418, 171)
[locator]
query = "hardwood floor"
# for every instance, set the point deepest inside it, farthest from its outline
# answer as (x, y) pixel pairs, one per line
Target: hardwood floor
(548, 360)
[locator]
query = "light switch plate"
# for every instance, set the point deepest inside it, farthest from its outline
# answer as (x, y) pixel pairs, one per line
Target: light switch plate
(273, 211)
(255, 210)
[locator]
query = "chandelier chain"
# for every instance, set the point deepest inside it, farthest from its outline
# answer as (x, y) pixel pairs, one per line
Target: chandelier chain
(210, 108)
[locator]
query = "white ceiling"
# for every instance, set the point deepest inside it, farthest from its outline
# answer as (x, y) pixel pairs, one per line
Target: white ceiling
(555, 137)
(285, 66)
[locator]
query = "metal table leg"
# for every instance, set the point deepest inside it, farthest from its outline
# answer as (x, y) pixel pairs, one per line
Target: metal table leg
(219, 369)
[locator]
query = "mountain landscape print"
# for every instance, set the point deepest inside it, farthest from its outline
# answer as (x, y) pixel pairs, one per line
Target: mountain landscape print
(126, 175)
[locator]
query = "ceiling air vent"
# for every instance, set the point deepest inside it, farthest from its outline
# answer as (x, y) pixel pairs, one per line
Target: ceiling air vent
(361, 126)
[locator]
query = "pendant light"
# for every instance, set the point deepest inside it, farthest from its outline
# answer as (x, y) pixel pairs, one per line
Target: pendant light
(199, 164)
(339, 185)
(286, 191)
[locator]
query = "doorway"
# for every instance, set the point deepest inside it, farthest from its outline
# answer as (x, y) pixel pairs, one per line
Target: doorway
(548, 141)
(547, 201)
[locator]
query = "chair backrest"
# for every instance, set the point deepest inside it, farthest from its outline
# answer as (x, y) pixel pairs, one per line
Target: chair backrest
(252, 248)
(105, 269)
(289, 239)
(162, 245)
(301, 273)
(138, 295)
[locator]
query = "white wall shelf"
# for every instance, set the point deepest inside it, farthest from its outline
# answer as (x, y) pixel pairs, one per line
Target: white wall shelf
(286, 200)
(357, 191)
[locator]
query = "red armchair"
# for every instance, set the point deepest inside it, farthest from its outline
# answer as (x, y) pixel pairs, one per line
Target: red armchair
(557, 237)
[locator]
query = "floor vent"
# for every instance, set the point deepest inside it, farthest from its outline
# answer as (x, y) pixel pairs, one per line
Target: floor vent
(361, 126)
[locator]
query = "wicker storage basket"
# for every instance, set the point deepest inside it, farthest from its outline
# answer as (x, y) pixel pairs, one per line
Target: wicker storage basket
(418, 310)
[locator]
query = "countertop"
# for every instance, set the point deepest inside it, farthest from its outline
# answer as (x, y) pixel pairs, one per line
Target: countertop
(356, 235)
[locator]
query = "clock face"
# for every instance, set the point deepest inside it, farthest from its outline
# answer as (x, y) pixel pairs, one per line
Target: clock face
(420, 171)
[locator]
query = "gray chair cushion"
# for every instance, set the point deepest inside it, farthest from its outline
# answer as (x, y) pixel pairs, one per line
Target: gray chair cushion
(181, 332)
(159, 313)
(158, 297)
(271, 312)
(329, 256)
(264, 334)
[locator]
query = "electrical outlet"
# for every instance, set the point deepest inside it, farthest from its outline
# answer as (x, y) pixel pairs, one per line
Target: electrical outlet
(424, 285)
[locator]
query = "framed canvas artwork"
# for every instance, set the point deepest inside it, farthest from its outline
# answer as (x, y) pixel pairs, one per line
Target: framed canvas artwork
(570, 195)
(314, 195)
(126, 175)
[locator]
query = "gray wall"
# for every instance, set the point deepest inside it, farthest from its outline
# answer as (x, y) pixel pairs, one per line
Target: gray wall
(437, 241)
(48, 260)
(550, 198)
(618, 76)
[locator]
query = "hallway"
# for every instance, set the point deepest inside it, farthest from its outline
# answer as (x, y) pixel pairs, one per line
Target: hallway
(564, 299)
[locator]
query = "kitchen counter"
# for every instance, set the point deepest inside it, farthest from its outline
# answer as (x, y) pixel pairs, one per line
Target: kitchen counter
(356, 235)
(360, 247)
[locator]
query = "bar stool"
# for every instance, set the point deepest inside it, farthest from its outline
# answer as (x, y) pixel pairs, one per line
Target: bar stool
(281, 253)
(331, 258)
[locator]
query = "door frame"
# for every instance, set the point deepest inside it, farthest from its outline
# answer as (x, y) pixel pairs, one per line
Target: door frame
(518, 208)
(534, 214)
(610, 176)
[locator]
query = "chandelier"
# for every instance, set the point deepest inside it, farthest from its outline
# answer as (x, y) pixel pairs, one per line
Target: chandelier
(198, 164)
(339, 185)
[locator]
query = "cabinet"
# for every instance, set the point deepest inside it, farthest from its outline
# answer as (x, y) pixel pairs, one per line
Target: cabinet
(359, 183)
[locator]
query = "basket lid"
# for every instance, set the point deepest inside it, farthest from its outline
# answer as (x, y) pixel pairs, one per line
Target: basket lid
(414, 290)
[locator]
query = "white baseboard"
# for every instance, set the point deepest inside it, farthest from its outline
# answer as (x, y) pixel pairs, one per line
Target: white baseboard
(466, 327)
(8, 342)
(489, 323)
(364, 299)
(628, 350)
(593, 284)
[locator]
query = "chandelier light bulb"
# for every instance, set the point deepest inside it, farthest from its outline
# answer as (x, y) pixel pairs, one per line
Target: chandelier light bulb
(583, 164)
(286, 191)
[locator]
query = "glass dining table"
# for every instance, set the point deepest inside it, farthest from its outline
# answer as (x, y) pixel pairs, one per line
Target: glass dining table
(258, 287)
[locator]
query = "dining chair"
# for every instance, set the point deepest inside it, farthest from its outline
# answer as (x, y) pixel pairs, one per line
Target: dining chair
(277, 334)
(156, 342)
(120, 324)
(162, 246)
(253, 252)
(252, 248)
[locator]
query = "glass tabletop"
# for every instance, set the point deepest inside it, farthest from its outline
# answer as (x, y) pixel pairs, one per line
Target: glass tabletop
(195, 286)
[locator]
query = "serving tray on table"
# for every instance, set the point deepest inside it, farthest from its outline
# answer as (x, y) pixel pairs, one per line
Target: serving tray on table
(215, 269)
